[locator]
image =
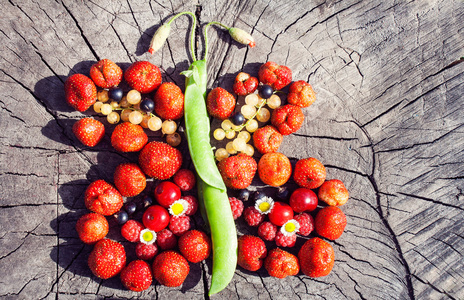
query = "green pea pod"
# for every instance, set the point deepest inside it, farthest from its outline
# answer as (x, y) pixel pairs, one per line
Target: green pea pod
(223, 236)
(197, 125)
(214, 201)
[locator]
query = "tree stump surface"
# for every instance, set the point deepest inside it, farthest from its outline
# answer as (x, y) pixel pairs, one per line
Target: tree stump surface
(388, 121)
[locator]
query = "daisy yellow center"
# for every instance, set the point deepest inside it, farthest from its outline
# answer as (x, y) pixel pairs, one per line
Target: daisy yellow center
(264, 206)
(177, 208)
(147, 236)
(290, 227)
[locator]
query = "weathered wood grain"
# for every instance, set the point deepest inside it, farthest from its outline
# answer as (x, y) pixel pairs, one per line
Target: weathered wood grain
(388, 122)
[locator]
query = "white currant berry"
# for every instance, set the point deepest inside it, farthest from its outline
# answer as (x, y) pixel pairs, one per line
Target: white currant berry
(221, 153)
(113, 117)
(230, 148)
(219, 134)
(135, 117)
(248, 111)
(230, 134)
(133, 97)
(144, 122)
(249, 150)
(103, 96)
(114, 104)
(263, 115)
(274, 101)
(226, 125)
(97, 106)
(173, 139)
(239, 145)
(106, 109)
(252, 125)
(245, 135)
(125, 115)
(155, 123)
(123, 103)
(261, 101)
(168, 127)
(252, 99)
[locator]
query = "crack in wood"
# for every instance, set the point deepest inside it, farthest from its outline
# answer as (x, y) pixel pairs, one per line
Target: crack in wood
(81, 31)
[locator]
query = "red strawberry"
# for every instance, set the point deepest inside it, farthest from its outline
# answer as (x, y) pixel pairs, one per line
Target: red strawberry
(237, 171)
(301, 94)
(160, 160)
(106, 74)
(179, 225)
(283, 240)
(267, 231)
(170, 268)
(145, 251)
(92, 227)
(80, 92)
(251, 252)
(129, 179)
(102, 198)
(287, 118)
(131, 230)
(306, 222)
(236, 205)
(166, 240)
(267, 139)
(89, 131)
(316, 257)
(280, 263)
(128, 137)
(330, 222)
(274, 169)
(245, 84)
(184, 179)
(107, 258)
(333, 192)
(220, 103)
(275, 75)
(193, 205)
(143, 76)
(136, 276)
(195, 246)
(169, 101)
(252, 216)
(309, 173)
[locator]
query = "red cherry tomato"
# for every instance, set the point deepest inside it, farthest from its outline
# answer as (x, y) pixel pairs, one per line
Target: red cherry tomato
(303, 199)
(166, 193)
(156, 218)
(280, 213)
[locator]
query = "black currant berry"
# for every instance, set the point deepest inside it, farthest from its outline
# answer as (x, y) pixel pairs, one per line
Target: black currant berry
(283, 193)
(115, 93)
(121, 217)
(147, 105)
(147, 201)
(130, 208)
(257, 195)
(265, 91)
(237, 119)
(244, 195)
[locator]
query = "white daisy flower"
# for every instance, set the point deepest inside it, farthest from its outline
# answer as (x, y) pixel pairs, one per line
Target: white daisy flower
(178, 208)
(147, 236)
(264, 205)
(290, 227)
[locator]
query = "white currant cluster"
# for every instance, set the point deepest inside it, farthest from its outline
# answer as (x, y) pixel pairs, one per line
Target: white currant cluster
(254, 111)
